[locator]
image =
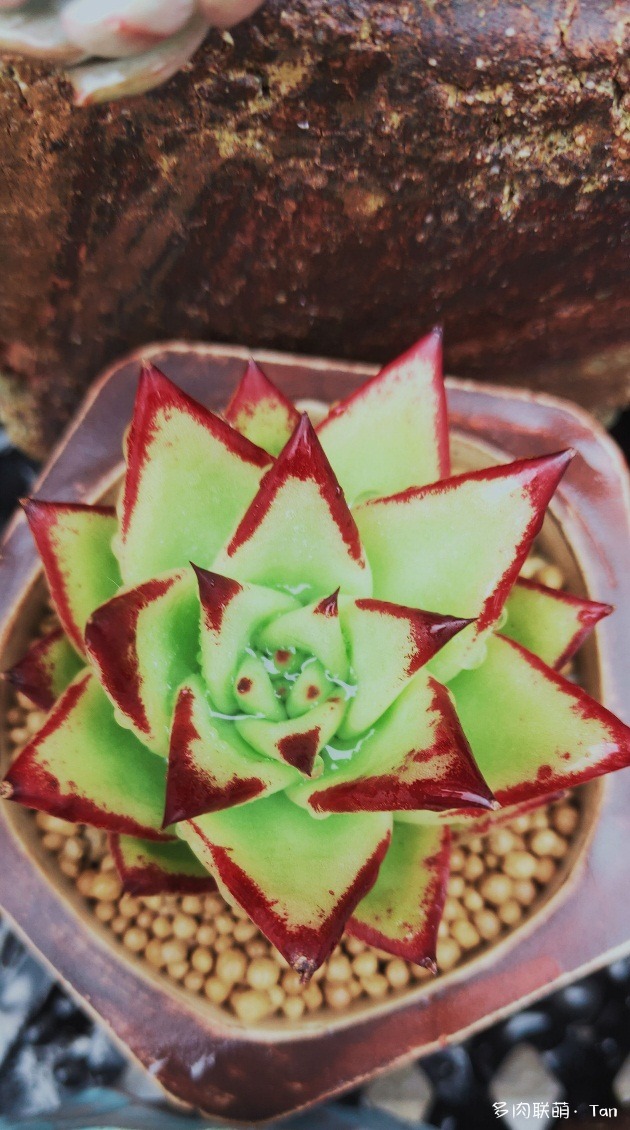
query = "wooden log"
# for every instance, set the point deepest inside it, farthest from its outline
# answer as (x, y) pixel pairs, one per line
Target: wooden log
(331, 178)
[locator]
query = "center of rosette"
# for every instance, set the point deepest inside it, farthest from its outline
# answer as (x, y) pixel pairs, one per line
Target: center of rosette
(284, 682)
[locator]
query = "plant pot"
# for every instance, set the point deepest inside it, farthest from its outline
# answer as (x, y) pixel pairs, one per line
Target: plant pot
(198, 1052)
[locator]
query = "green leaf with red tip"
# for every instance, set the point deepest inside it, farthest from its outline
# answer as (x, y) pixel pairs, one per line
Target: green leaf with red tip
(83, 767)
(552, 624)
(314, 630)
(48, 667)
(230, 615)
(254, 690)
(299, 879)
(298, 740)
(143, 643)
(261, 412)
(75, 545)
(532, 731)
(459, 545)
(149, 868)
(210, 766)
(298, 533)
(189, 478)
(311, 687)
(393, 432)
(417, 757)
(402, 912)
(388, 644)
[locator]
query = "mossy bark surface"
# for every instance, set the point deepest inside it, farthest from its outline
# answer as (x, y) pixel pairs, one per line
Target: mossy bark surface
(332, 179)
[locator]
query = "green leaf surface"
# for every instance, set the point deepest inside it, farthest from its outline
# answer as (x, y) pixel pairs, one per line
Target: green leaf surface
(311, 687)
(416, 758)
(210, 766)
(299, 879)
(297, 741)
(388, 644)
(402, 912)
(393, 432)
(254, 690)
(189, 477)
(231, 615)
(261, 412)
(458, 546)
(85, 768)
(315, 630)
(75, 545)
(144, 643)
(551, 624)
(48, 667)
(150, 868)
(298, 533)
(532, 731)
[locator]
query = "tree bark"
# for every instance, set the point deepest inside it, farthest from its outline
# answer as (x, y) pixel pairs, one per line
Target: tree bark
(332, 179)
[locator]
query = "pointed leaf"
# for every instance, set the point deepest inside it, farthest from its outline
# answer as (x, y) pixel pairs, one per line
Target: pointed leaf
(552, 624)
(149, 868)
(298, 740)
(143, 643)
(310, 689)
(189, 478)
(75, 545)
(83, 767)
(388, 644)
(301, 509)
(299, 879)
(254, 690)
(48, 667)
(532, 731)
(314, 630)
(459, 545)
(416, 757)
(210, 766)
(393, 432)
(402, 912)
(231, 614)
(261, 412)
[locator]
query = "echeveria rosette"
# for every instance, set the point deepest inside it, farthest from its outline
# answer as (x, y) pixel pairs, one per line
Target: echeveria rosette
(293, 656)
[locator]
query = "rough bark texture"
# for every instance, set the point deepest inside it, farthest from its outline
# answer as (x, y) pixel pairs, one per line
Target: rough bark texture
(333, 181)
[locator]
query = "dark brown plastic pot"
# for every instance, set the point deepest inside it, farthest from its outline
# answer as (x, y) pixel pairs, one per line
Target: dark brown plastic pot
(200, 1054)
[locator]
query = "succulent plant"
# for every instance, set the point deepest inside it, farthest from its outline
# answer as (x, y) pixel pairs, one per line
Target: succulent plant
(114, 48)
(293, 656)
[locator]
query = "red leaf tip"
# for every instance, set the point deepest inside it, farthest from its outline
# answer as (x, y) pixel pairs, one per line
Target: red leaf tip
(329, 606)
(427, 348)
(150, 374)
(303, 457)
(215, 594)
(253, 389)
(255, 381)
(154, 387)
(557, 462)
(542, 475)
(594, 611)
(304, 968)
(563, 458)
(446, 627)
(35, 510)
